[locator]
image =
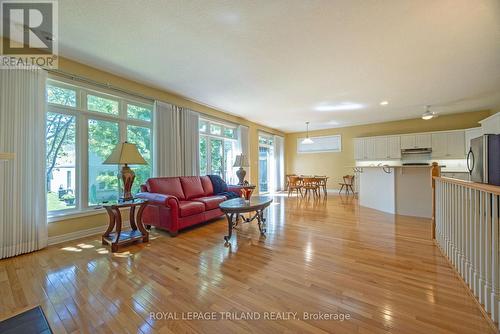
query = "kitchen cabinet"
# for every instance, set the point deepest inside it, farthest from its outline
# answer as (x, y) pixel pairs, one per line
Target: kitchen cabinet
(448, 145)
(416, 141)
(377, 148)
(359, 149)
(471, 134)
(370, 148)
(456, 144)
(381, 148)
(394, 147)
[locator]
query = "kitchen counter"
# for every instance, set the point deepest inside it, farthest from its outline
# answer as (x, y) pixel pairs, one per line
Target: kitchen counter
(398, 166)
(403, 190)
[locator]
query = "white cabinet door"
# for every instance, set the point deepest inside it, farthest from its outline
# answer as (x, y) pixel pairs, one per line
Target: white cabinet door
(423, 140)
(394, 147)
(359, 149)
(370, 149)
(455, 145)
(439, 145)
(408, 141)
(471, 134)
(381, 149)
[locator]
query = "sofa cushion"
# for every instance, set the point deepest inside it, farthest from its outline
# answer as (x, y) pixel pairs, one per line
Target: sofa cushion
(191, 185)
(166, 185)
(211, 202)
(189, 208)
(207, 185)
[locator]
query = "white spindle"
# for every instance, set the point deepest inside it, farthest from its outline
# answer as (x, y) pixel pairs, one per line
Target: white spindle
(467, 230)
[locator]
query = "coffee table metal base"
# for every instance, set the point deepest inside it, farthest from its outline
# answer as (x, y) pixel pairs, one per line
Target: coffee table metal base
(233, 220)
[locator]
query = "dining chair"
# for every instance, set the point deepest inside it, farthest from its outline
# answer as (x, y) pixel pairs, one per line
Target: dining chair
(348, 181)
(295, 184)
(322, 181)
(310, 184)
(287, 183)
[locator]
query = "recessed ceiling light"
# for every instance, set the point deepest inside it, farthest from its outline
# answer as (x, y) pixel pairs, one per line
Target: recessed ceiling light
(384, 103)
(339, 106)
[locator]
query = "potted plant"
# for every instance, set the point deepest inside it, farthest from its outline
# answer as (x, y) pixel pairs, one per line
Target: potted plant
(69, 199)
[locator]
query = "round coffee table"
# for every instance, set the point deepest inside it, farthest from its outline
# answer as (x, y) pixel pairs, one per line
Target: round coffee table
(234, 208)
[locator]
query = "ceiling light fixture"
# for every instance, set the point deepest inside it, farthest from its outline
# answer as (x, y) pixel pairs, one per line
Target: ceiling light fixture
(307, 140)
(340, 106)
(384, 103)
(428, 114)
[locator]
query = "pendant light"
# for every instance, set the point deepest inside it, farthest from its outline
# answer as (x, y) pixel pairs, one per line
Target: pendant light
(307, 140)
(428, 114)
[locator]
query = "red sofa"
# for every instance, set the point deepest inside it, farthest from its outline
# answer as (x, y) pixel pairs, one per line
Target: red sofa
(179, 202)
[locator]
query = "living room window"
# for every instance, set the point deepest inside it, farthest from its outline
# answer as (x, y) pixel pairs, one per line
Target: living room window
(218, 149)
(83, 127)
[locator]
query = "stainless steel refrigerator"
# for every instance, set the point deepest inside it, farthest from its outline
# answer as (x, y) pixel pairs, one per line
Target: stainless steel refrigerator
(483, 159)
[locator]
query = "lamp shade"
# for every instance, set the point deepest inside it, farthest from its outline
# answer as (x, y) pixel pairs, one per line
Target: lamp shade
(125, 153)
(241, 161)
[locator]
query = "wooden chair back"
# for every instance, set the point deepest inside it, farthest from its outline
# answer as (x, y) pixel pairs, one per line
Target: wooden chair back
(294, 181)
(310, 182)
(348, 179)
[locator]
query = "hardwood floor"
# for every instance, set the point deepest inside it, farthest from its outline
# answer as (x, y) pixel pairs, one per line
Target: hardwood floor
(328, 256)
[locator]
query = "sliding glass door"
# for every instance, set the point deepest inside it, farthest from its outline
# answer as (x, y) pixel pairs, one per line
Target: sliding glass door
(266, 164)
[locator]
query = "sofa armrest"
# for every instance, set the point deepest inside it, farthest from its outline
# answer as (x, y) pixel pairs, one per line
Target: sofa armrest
(159, 199)
(234, 188)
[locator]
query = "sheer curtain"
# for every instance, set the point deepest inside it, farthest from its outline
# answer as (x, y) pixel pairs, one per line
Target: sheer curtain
(23, 211)
(279, 165)
(244, 146)
(176, 141)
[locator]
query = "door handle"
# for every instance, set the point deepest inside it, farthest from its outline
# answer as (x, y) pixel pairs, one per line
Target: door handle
(470, 157)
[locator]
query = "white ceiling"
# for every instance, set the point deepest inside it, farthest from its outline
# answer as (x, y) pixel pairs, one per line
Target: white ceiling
(275, 62)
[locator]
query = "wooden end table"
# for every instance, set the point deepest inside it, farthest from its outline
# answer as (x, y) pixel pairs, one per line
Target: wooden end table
(234, 208)
(120, 237)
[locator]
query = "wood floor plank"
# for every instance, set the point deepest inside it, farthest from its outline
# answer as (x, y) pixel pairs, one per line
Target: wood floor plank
(328, 256)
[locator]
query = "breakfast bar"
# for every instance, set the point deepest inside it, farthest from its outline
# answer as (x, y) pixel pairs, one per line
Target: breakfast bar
(403, 190)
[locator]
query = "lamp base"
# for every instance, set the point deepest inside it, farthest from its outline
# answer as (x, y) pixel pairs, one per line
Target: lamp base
(241, 173)
(128, 176)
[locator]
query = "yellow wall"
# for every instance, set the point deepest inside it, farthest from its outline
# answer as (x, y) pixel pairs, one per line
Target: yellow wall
(74, 68)
(335, 165)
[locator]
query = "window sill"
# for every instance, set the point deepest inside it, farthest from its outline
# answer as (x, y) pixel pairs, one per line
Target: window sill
(71, 215)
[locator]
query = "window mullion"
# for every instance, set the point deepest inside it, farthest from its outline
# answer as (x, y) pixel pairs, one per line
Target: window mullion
(83, 163)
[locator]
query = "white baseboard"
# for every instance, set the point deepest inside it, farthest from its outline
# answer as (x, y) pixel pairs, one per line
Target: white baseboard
(58, 239)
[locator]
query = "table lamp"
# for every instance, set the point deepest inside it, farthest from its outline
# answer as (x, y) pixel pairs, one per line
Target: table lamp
(126, 154)
(241, 161)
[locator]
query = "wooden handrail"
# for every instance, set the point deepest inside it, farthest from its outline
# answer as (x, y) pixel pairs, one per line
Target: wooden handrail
(471, 185)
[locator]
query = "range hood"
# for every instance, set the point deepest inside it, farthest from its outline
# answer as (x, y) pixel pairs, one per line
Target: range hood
(424, 150)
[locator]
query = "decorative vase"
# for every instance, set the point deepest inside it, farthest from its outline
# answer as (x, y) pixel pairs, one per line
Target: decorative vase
(241, 173)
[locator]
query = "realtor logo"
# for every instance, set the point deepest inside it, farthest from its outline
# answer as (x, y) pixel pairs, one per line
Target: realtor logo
(29, 30)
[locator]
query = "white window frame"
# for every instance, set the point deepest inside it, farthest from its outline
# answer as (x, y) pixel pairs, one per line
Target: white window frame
(209, 137)
(82, 116)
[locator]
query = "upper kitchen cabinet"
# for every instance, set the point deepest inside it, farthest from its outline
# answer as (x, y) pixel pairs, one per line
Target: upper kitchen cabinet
(416, 141)
(381, 148)
(448, 145)
(394, 147)
(471, 134)
(359, 149)
(377, 148)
